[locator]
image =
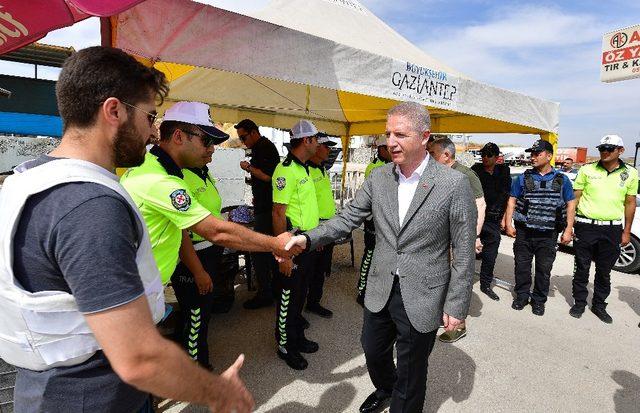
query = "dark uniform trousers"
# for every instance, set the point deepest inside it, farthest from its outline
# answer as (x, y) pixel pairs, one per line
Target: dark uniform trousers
(530, 244)
(490, 238)
(367, 256)
(264, 265)
(292, 293)
(196, 308)
(321, 269)
(600, 243)
(408, 382)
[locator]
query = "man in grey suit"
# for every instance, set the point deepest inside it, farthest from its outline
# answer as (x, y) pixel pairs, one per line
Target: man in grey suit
(421, 209)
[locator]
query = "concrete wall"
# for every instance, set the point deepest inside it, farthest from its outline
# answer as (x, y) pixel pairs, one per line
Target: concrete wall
(15, 150)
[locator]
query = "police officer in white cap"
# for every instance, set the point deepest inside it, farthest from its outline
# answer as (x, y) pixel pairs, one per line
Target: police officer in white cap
(606, 194)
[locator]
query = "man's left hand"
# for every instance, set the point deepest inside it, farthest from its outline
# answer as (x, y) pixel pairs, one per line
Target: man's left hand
(450, 322)
(244, 165)
(626, 238)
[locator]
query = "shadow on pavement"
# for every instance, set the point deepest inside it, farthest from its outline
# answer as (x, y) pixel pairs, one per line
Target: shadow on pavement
(339, 358)
(627, 398)
(631, 296)
(336, 399)
(452, 374)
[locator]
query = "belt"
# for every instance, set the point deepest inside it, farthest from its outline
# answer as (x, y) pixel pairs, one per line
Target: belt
(598, 222)
(199, 246)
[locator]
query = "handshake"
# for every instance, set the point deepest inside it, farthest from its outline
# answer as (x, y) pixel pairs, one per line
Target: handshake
(288, 246)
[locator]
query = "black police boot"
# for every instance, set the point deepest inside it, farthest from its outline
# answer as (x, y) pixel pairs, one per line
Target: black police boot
(576, 311)
(293, 358)
(537, 309)
(319, 310)
(305, 323)
(519, 304)
(602, 314)
(307, 346)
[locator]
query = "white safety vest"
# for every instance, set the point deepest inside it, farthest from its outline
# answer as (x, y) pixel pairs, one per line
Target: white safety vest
(42, 330)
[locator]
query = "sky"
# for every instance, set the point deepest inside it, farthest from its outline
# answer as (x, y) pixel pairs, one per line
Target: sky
(547, 49)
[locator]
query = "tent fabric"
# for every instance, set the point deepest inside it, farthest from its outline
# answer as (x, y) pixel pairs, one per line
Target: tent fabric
(331, 61)
(24, 22)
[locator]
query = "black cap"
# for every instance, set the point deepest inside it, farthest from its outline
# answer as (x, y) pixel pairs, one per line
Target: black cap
(247, 124)
(490, 149)
(539, 146)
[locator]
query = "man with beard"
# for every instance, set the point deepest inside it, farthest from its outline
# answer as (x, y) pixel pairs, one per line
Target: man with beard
(79, 288)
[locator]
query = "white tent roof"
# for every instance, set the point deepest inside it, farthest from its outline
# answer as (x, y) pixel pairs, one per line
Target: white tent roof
(329, 60)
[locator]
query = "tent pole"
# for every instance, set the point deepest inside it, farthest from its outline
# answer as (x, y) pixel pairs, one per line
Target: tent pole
(346, 143)
(552, 138)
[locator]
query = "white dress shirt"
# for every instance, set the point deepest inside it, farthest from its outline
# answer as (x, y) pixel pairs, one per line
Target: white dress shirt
(407, 188)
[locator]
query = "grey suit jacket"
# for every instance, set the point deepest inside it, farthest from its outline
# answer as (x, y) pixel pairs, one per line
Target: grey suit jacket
(442, 215)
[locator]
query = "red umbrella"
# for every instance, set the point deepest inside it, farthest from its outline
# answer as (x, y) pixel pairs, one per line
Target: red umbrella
(23, 22)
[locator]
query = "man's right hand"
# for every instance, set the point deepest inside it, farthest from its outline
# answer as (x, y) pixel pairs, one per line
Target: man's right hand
(510, 230)
(234, 396)
(281, 251)
(297, 241)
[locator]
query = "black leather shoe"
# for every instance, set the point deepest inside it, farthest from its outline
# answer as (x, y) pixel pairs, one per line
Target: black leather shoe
(307, 346)
(518, 304)
(293, 359)
(319, 310)
(602, 314)
(489, 292)
(537, 309)
(360, 299)
(576, 311)
(257, 302)
(374, 404)
(305, 323)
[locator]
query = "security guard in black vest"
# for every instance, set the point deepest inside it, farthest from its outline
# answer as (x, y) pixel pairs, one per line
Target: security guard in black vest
(542, 205)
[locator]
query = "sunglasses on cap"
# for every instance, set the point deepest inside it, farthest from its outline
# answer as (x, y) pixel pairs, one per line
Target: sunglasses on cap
(607, 148)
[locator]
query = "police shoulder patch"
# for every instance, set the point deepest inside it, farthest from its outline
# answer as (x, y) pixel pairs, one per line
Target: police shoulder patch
(281, 183)
(180, 199)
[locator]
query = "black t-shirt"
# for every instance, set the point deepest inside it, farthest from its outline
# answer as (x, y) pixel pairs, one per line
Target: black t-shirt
(264, 156)
(80, 238)
(496, 188)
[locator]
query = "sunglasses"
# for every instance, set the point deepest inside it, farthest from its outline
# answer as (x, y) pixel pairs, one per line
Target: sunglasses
(206, 139)
(151, 116)
(607, 148)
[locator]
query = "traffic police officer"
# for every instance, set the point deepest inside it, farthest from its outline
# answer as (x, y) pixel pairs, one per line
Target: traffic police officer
(170, 208)
(542, 205)
(382, 157)
(326, 210)
(295, 209)
(606, 193)
(194, 290)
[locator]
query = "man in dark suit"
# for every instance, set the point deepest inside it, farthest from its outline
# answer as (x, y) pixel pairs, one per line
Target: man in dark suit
(421, 209)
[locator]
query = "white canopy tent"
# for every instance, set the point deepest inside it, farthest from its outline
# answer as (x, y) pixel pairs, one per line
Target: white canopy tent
(331, 61)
